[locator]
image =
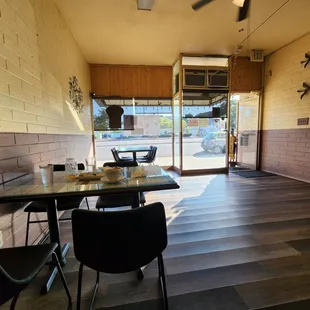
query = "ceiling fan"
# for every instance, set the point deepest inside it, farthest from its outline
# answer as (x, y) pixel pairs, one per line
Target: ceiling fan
(244, 7)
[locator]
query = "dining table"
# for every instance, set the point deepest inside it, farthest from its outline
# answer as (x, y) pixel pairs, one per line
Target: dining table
(32, 189)
(134, 149)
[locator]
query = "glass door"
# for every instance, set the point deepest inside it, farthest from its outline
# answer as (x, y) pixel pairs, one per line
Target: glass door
(200, 115)
(204, 132)
(248, 117)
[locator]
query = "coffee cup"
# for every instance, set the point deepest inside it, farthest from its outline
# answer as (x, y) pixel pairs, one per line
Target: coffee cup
(112, 174)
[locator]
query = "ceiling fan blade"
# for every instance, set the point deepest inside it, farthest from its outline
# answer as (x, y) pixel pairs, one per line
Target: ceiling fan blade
(198, 5)
(244, 11)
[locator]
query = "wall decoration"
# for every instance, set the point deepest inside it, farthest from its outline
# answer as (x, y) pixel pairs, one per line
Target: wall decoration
(305, 90)
(307, 61)
(75, 95)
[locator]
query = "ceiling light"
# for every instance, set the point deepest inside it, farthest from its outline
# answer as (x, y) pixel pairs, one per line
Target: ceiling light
(238, 2)
(145, 5)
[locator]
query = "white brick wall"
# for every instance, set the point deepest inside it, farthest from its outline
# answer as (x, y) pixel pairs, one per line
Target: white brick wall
(21, 153)
(37, 56)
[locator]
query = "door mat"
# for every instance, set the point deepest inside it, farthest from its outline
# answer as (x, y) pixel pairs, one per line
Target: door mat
(253, 174)
(232, 169)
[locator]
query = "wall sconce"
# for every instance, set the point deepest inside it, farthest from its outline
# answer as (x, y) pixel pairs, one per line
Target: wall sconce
(305, 89)
(307, 61)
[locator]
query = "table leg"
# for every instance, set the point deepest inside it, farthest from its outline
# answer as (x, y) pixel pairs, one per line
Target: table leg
(53, 226)
(134, 156)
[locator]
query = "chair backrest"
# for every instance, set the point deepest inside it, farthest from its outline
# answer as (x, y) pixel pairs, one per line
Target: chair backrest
(62, 167)
(150, 152)
(153, 156)
(115, 155)
(8, 286)
(119, 241)
(121, 164)
(81, 166)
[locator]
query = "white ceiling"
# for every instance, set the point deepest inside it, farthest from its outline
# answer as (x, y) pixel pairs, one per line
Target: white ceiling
(115, 32)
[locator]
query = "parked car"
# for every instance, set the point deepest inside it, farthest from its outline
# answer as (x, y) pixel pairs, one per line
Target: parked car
(214, 142)
(165, 134)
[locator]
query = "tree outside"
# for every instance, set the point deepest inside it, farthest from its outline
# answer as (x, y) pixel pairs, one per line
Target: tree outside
(189, 115)
(165, 123)
(101, 121)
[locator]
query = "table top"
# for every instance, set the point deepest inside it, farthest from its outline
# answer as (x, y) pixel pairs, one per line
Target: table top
(31, 190)
(134, 148)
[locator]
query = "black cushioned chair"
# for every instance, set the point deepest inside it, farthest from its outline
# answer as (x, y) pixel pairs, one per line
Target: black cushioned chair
(119, 200)
(120, 242)
(63, 204)
(20, 265)
(148, 155)
(150, 158)
(117, 158)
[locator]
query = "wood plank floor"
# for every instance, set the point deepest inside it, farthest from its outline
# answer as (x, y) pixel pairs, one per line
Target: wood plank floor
(234, 243)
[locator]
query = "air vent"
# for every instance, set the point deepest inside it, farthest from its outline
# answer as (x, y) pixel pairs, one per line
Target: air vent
(145, 5)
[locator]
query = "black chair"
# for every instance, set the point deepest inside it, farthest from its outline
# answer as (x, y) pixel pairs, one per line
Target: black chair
(119, 200)
(147, 156)
(63, 204)
(61, 167)
(150, 159)
(117, 158)
(20, 265)
(121, 164)
(119, 242)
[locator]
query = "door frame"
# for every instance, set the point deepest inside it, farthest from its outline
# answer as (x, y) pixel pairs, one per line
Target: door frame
(202, 171)
(259, 124)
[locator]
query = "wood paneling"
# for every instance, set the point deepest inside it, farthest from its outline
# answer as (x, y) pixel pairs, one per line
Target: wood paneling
(246, 76)
(131, 81)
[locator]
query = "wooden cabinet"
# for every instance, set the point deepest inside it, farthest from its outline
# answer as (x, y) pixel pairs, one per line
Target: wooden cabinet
(131, 81)
(246, 76)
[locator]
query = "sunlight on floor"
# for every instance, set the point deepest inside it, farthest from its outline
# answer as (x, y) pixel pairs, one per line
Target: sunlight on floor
(173, 211)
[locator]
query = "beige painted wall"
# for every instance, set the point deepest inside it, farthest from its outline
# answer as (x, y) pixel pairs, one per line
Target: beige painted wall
(282, 105)
(285, 146)
(37, 55)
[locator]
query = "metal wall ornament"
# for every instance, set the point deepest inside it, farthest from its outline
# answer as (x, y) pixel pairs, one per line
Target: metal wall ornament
(307, 61)
(305, 90)
(75, 95)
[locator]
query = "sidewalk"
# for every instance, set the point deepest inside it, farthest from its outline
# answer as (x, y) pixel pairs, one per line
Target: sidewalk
(189, 162)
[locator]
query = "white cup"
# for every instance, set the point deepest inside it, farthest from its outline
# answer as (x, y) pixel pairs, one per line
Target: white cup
(113, 174)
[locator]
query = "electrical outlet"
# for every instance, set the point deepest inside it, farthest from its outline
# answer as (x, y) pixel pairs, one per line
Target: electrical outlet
(303, 121)
(1, 239)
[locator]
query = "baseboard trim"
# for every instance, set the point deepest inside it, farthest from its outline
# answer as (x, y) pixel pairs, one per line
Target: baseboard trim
(287, 176)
